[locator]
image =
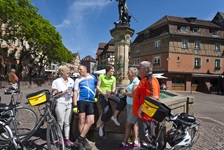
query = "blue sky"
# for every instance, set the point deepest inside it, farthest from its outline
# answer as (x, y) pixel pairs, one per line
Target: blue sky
(83, 24)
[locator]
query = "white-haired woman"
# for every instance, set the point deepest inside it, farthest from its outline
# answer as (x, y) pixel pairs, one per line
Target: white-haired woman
(131, 119)
(63, 109)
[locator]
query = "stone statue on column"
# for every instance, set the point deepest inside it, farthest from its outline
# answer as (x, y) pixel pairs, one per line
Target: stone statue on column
(122, 34)
(124, 17)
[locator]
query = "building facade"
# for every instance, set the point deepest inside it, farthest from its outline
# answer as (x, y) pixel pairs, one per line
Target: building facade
(189, 51)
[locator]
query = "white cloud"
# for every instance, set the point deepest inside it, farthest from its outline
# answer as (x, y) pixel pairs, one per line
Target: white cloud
(78, 11)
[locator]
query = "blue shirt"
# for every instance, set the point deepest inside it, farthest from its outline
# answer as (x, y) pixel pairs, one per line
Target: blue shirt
(129, 88)
(86, 88)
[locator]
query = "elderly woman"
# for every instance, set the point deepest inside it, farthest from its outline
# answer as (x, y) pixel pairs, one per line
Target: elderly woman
(63, 109)
(131, 119)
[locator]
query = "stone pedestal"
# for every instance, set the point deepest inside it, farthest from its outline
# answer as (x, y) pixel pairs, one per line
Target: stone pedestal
(122, 39)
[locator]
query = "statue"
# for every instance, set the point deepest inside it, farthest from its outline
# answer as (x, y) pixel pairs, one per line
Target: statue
(124, 17)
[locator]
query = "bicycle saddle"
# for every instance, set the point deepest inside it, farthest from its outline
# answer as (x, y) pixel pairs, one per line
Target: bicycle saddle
(186, 117)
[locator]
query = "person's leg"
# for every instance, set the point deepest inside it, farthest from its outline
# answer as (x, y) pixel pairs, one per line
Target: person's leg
(146, 132)
(67, 118)
(60, 114)
(120, 107)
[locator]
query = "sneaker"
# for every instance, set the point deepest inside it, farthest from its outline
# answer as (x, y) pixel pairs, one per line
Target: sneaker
(134, 145)
(115, 121)
(101, 131)
(86, 145)
(122, 147)
(79, 145)
(68, 143)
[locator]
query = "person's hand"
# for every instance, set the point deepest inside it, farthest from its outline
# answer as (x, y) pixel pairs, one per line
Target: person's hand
(75, 109)
(140, 112)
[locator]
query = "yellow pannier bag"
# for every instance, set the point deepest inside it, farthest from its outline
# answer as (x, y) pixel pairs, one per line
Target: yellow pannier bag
(155, 109)
(38, 97)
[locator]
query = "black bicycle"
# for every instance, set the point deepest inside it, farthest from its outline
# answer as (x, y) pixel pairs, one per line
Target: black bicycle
(182, 134)
(18, 121)
(54, 134)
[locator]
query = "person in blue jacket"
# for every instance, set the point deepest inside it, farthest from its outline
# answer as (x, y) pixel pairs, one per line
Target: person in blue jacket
(84, 94)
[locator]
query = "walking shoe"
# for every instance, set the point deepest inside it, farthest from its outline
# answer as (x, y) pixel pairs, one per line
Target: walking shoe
(101, 131)
(115, 121)
(122, 147)
(68, 143)
(79, 145)
(132, 146)
(86, 145)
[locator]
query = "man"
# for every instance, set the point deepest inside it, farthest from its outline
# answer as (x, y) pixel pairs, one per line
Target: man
(84, 94)
(148, 86)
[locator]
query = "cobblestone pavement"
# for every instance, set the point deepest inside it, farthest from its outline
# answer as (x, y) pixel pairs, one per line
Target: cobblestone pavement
(211, 135)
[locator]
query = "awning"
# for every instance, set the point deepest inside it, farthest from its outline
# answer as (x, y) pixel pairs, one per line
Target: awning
(207, 75)
(159, 76)
(100, 71)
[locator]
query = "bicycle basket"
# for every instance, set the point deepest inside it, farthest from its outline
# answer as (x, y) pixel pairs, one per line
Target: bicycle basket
(38, 97)
(155, 109)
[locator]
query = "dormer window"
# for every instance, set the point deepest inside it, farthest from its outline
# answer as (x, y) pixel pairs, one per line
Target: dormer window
(195, 30)
(183, 29)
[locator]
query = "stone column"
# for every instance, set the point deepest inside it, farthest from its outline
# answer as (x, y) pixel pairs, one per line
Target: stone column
(122, 39)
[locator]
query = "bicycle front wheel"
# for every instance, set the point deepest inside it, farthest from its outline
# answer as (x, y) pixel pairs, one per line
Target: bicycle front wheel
(25, 121)
(6, 137)
(194, 133)
(55, 140)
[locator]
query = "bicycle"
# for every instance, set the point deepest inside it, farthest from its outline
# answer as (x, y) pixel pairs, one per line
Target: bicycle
(54, 134)
(183, 133)
(18, 121)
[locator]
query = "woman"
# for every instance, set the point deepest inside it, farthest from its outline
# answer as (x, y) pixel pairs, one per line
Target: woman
(131, 119)
(63, 109)
(106, 87)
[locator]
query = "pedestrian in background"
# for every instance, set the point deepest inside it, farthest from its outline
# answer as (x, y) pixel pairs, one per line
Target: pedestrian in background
(13, 79)
(63, 109)
(84, 98)
(131, 124)
(106, 87)
(148, 86)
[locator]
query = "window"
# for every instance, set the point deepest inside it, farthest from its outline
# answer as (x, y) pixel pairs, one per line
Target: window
(156, 60)
(195, 30)
(136, 61)
(217, 64)
(137, 49)
(184, 44)
(197, 62)
(217, 46)
(197, 45)
(207, 60)
(183, 29)
(214, 32)
(157, 44)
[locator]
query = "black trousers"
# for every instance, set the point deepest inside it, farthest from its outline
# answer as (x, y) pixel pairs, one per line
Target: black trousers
(107, 111)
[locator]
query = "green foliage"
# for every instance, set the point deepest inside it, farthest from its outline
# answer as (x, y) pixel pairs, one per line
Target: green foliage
(23, 22)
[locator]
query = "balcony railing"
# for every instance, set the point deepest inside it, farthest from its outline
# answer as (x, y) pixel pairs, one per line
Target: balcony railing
(217, 68)
(197, 67)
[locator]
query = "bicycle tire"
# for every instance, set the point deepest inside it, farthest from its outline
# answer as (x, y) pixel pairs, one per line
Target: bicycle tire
(25, 121)
(6, 137)
(55, 140)
(194, 133)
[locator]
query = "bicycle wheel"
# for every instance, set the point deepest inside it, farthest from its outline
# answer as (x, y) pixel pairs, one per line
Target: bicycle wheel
(194, 133)
(6, 137)
(25, 121)
(55, 140)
